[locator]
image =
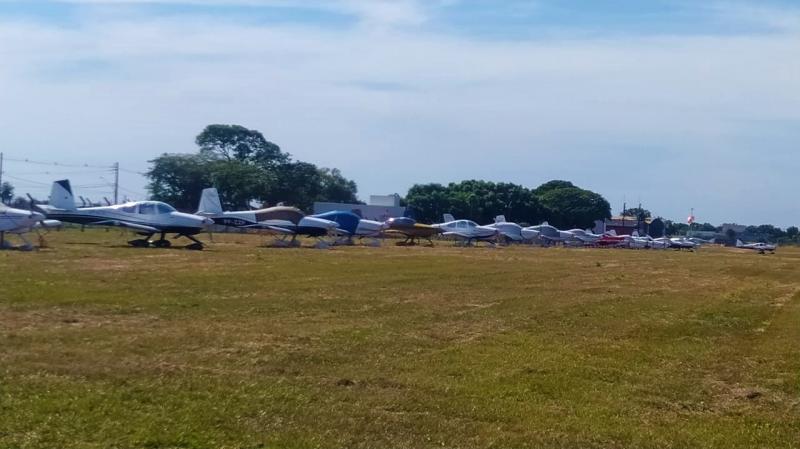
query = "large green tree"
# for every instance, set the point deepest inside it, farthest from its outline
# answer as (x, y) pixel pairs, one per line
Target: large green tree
(235, 142)
(179, 179)
(245, 167)
(573, 207)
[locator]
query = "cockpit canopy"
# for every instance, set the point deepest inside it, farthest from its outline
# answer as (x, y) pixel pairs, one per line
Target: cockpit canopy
(401, 221)
(147, 208)
(465, 224)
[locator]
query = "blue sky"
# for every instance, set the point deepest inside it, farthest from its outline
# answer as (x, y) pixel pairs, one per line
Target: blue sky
(676, 104)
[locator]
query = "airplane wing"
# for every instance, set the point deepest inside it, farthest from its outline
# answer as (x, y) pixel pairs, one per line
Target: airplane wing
(280, 229)
(397, 231)
(510, 236)
(266, 226)
(124, 224)
(462, 235)
(552, 239)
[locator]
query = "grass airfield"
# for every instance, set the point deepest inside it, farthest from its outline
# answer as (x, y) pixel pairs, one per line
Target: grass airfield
(239, 346)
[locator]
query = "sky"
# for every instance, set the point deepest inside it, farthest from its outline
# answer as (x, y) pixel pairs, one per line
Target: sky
(676, 104)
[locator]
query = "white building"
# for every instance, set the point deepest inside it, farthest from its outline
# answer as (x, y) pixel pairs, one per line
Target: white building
(380, 207)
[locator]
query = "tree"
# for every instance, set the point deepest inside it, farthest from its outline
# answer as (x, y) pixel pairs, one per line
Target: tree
(792, 232)
(552, 185)
(239, 183)
(237, 142)
(730, 236)
(428, 202)
(336, 188)
(480, 201)
(637, 212)
(298, 184)
(244, 167)
(6, 192)
(573, 207)
(179, 179)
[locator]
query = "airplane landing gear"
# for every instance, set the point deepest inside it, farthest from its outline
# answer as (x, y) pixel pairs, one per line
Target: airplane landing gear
(196, 246)
(162, 242)
(139, 243)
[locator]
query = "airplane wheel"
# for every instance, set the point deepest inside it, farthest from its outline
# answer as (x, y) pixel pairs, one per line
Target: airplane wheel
(162, 243)
(195, 247)
(139, 243)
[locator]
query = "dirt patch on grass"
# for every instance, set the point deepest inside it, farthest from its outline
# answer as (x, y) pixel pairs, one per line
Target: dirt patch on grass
(60, 318)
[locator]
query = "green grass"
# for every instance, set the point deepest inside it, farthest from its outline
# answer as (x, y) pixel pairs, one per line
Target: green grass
(104, 346)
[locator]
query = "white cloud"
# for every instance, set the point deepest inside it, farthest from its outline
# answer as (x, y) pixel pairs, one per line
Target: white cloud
(679, 121)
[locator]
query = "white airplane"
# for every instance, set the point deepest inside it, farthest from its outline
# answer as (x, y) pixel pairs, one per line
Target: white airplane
(543, 233)
(145, 217)
(512, 232)
(288, 221)
(21, 222)
(548, 234)
(762, 248)
(680, 243)
(466, 230)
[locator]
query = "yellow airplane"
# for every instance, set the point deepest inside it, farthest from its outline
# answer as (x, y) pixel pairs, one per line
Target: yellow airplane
(411, 230)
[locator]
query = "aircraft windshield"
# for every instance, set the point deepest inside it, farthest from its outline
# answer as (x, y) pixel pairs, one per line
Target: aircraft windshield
(164, 208)
(155, 208)
(147, 209)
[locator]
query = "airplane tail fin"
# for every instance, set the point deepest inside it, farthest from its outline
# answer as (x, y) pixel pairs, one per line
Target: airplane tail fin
(448, 218)
(61, 195)
(635, 234)
(612, 233)
(739, 243)
(209, 202)
(500, 219)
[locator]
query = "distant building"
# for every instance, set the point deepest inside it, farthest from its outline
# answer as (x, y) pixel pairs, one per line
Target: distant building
(624, 225)
(380, 207)
(392, 200)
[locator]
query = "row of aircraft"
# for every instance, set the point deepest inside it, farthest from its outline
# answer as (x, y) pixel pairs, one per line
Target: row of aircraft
(151, 218)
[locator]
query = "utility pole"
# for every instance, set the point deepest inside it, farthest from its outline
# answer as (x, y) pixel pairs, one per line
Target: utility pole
(1, 172)
(116, 182)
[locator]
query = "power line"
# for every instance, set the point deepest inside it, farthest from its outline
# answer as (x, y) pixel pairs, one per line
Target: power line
(57, 164)
(93, 169)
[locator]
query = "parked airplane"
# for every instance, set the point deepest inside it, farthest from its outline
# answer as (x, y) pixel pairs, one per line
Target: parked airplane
(288, 221)
(145, 217)
(512, 232)
(680, 243)
(350, 225)
(411, 230)
(543, 233)
(466, 230)
(762, 248)
(21, 222)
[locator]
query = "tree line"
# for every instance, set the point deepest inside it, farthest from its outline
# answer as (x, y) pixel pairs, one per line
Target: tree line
(561, 203)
